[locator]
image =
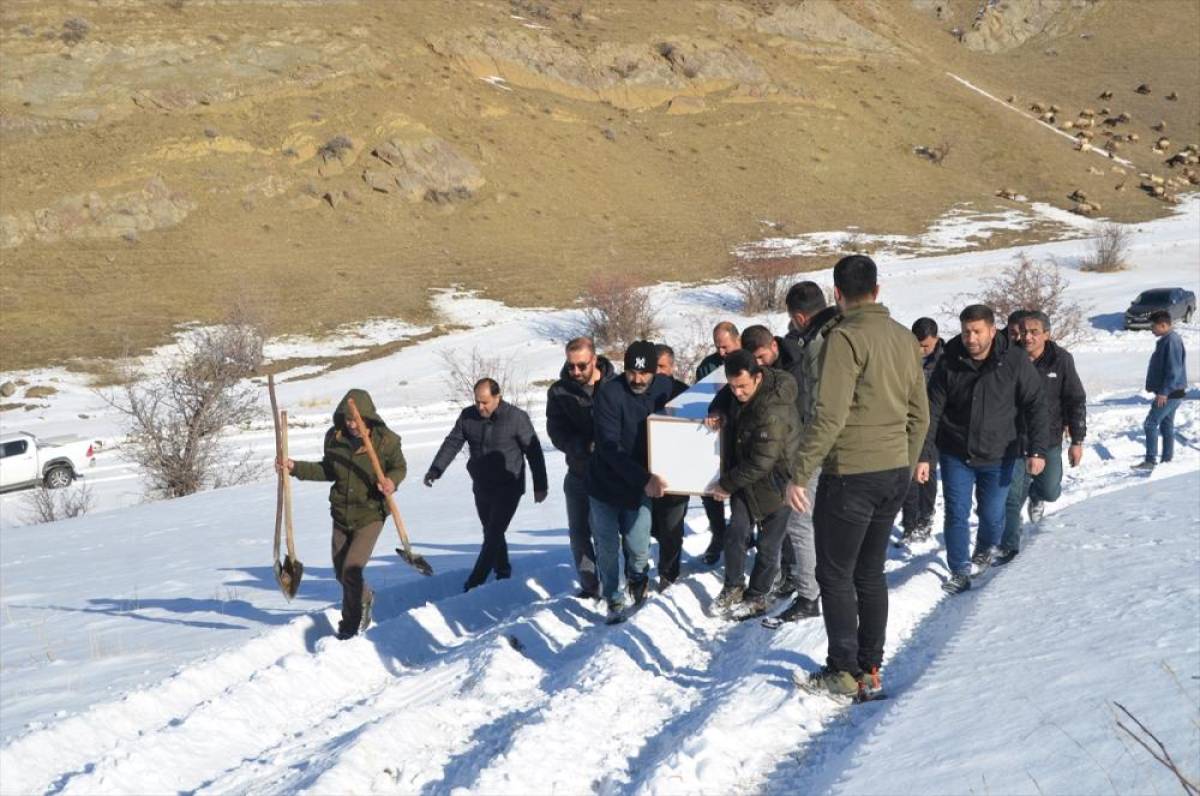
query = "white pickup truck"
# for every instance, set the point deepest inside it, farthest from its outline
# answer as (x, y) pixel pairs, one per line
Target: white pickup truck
(26, 460)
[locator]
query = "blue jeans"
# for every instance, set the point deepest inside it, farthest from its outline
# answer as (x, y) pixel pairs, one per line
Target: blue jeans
(614, 528)
(990, 484)
(1045, 487)
(1161, 420)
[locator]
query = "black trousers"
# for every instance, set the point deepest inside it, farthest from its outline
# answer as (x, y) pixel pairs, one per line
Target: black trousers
(496, 510)
(919, 500)
(666, 525)
(715, 511)
(766, 561)
(852, 520)
(771, 533)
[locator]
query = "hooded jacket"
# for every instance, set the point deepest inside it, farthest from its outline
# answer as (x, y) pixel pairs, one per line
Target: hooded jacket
(497, 449)
(617, 473)
(354, 500)
(986, 411)
(569, 416)
(1066, 401)
(765, 434)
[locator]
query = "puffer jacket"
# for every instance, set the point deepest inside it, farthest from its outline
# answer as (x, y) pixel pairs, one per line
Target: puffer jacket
(765, 434)
(569, 416)
(354, 500)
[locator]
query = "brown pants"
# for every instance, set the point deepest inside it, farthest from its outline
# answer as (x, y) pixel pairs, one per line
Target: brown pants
(351, 552)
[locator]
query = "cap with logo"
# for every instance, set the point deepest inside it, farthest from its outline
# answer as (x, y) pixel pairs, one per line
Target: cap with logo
(640, 356)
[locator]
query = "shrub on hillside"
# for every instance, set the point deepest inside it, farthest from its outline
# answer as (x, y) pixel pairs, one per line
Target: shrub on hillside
(49, 505)
(762, 282)
(1031, 285)
(617, 311)
(465, 369)
(1110, 249)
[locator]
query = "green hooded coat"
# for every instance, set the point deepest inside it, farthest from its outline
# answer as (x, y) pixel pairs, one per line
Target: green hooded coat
(354, 500)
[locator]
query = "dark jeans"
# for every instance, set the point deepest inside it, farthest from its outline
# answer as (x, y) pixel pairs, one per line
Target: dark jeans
(772, 534)
(351, 552)
(853, 517)
(1161, 421)
(715, 511)
(666, 525)
(989, 483)
(1045, 487)
(496, 510)
(919, 501)
(580, 532)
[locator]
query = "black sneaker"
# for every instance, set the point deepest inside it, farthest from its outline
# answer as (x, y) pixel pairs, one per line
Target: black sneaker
(982, 560)
(785, 588)
(663, 584)
(802, 608)
(615, 615)
(957, 583)
(345, 635)
(637, 590)
(368, 599)
(587, 594)
(712, 555)
(1037, 510)
(1003, 556)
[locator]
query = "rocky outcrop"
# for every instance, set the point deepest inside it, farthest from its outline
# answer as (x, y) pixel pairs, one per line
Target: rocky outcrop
(1010, 24)
(629, 76)
(428, 169)
(90, 215)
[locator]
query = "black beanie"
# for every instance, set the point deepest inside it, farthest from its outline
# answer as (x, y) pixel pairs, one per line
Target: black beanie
(640, 356)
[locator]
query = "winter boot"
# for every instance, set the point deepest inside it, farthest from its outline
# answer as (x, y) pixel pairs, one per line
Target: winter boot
(637, 589)
(870, 685)
(1037, 510)
(829, 682)
(957, 583)
(368, 599)
(729, 597)
(801, 608)
(1004, 555)
(982, 560)
(748, 608)
(783, 589)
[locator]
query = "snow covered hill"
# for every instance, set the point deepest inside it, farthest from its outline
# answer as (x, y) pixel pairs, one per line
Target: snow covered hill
(147, 648)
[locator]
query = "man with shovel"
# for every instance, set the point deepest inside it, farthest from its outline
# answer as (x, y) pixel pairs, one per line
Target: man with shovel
(357, 499)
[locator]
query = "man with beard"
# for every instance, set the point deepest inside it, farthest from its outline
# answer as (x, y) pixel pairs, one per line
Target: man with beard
(569, 423)
(982, 393)
(619, 485)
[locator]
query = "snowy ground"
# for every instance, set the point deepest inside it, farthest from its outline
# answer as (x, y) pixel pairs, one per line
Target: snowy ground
(146, 648)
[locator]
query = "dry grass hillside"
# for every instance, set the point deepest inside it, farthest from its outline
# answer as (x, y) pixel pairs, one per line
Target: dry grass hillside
(326, 161)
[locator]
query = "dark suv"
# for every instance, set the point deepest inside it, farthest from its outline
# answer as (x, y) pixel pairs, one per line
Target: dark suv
(1175, 300)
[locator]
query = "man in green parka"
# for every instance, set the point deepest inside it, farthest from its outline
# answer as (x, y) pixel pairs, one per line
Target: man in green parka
(357, 501)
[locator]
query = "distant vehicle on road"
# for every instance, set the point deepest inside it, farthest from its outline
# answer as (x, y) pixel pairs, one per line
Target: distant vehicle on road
(28, 461)
(1179, 302)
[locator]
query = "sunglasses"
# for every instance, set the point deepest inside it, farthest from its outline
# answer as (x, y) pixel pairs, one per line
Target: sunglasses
(580, 366)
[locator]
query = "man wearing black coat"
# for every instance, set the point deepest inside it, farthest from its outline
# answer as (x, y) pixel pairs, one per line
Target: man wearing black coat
(619, 484)
(500, 439)
(916, 517)
(668, 512)
(569, 423)
(982, 393)
(725, 341)
(1066, 407)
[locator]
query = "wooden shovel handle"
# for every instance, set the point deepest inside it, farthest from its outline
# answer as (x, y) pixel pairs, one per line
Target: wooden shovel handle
(287, 489)
(365, 434)
(280, 485)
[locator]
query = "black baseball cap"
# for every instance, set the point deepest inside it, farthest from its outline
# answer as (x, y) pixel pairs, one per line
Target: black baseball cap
(641, 356)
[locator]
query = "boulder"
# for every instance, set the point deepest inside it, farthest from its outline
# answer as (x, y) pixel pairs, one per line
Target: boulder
(429, 169)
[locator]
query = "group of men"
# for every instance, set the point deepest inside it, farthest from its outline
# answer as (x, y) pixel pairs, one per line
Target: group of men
(830, 431)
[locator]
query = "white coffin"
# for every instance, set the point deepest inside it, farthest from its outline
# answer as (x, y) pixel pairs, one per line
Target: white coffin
(680, 449)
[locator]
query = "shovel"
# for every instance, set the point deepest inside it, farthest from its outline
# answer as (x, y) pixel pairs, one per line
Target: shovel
(414, 560)
(290, 570)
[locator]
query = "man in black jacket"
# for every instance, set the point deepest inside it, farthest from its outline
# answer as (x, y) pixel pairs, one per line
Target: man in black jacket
(569, 423)
(981, 394)
(726, 341)
(916, 518)
(669, 511)
(619, 485)
(1066, 406)
(500, 438)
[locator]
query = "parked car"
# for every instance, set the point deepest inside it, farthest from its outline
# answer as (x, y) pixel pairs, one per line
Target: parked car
(1179, 302)
(26, 460)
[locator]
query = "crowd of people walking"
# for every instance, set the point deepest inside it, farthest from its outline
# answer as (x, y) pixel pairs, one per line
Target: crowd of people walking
(830, 431)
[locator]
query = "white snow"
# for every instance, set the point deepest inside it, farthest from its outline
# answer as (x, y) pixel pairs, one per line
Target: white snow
(146, 647)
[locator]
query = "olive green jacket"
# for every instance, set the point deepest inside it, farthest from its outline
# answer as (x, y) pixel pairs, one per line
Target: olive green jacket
(765, 434)
(872, 411)
(354, 500)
